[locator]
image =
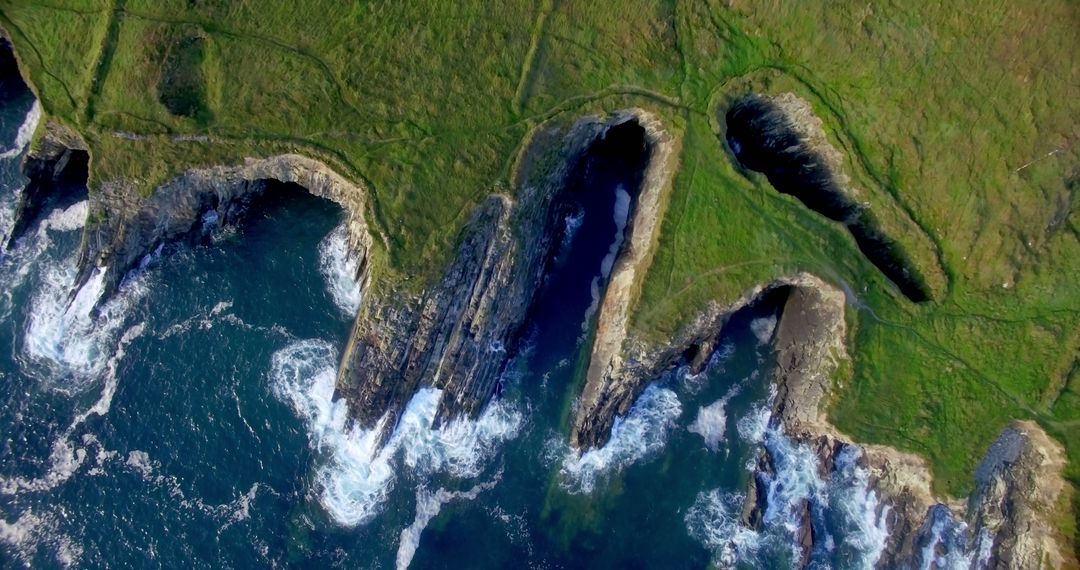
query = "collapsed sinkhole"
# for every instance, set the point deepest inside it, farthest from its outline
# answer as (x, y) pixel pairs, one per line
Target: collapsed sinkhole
(763, 139)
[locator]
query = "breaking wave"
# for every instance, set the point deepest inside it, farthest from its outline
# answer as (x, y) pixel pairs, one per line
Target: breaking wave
(26, 132)
(842, 504)
(642, 432)
(339, 267)
(64, 337)
(952, 546)
(714, 521)
(359, 474)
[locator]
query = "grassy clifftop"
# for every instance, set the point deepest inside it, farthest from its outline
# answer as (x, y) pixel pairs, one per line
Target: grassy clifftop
(957, 122)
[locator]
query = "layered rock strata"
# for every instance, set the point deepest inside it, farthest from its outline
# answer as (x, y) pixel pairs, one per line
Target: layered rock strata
(1008, 522)
(124, 227)
(459, 335)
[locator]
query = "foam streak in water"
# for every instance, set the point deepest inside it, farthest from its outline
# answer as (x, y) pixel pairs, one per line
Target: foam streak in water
(339, 267)
(642, 432)
(359, 474)
(65, 458)
(428, 505)
(621, 216)
(26, 132)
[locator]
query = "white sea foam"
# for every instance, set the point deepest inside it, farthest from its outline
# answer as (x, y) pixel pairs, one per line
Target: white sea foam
(428, 505)
(30, 255)
(32, 532)
(711, 420)
(66, 457)
(339, 267)
(621, 215)
(863, 515)
(710, 424)
(763, 328)
(26, 132)
(642, 432)
(64, 337)
(753, 425)
(952, 545)
(854, 509)
(714, 521)
(359, 474)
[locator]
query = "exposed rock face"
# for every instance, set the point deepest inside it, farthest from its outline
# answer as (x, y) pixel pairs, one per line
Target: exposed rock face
(459, 335)
(614, 382)
(1018, 483)
(1017, 486)
(1009, 520)
(124, 227)
(602, 400)
(56, 169)
(783, 139)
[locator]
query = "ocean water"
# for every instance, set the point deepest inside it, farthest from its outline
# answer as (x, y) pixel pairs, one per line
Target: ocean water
(192, 422)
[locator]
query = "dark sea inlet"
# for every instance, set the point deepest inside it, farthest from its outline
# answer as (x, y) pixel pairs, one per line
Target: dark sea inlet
(191, 423)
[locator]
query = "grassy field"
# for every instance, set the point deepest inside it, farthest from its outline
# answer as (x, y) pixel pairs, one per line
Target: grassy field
(958, 123)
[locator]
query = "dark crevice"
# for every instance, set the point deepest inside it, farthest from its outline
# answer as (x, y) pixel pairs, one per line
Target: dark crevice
(55, 181)
(56, 174)
(763, 139)
(188, 217)
(582, 224)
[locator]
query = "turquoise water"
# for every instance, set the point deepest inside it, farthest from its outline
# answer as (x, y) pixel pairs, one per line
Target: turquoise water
(191, 423)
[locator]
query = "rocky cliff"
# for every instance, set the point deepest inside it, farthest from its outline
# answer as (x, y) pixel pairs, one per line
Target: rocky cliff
(124, 227)
(459, 335)
(1008, 522)
(600, 402)
(56, 170)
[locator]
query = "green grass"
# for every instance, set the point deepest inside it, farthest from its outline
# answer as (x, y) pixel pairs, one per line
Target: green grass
(957, 121)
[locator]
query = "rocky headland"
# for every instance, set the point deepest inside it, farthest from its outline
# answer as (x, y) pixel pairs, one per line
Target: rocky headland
(459, 335)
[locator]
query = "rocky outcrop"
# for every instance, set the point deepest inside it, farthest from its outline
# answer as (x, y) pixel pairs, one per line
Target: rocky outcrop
(616, 380)
(1008, 522)
(459, 335)
(1009, 518)
(1017, 488)
(56, 170)
(124, 227)
(603, 398)
(783, 139)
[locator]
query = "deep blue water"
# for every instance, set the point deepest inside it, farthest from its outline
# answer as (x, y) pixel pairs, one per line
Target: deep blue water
(191, 423)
